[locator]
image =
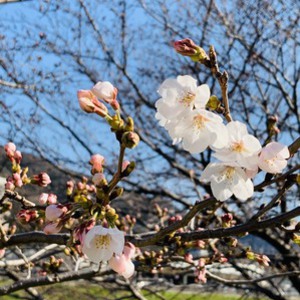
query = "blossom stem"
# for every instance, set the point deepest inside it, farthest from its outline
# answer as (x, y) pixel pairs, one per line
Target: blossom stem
(117, 176)
(222, 79)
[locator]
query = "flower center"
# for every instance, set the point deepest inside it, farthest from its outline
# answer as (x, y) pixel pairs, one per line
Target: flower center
(229, 172)
(187, 99)
(238, 147)
(102, 241)
(199, 121)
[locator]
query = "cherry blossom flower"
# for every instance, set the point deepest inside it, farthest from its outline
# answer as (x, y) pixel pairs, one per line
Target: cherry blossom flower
(101, 243)
(198, 130)
(242, 148)
(227, 181)
(122, 264)
(105, 90)
(272, 158)
(178, 96)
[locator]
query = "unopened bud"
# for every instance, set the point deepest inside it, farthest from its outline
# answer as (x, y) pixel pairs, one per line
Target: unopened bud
(41, 179)
(187, 47)
(213, 103)
(127, 168)
(115, 105)
(130, 124)
(105, 90)
(117, 192)
(130, 139)
(115, 122)
(250, 255)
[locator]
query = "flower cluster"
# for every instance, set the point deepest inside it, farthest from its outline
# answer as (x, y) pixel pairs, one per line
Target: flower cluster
(19, 175)
(182, 111)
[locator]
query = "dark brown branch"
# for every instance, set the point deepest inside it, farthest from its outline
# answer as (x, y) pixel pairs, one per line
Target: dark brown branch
(251, 281)
(50, 279)
(15, 196)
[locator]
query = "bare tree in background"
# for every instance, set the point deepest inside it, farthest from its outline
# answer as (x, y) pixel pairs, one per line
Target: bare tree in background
(50, 48)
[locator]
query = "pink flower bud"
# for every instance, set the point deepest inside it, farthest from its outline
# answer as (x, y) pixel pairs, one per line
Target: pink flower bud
(52, 199)
(129, 250)
(101, 110)
(17, 180)
(2, 253)
(53, 212)
(41, 179)
(122, 266)
(18, 157)
(263, 260)
(70, 187)
(125, 164)
(227, 217)
(80, 186)
(10, 149)
(115, 105)
(97, 162)
(105, 91)
(43, 198)
(9, 185)
(52, 228)
(25, 215)
(186, 47)
(99, 179)
(86, 100)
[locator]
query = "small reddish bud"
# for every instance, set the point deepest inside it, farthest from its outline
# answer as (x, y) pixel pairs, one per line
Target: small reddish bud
(41, 179)
(97, 162)
(25, 216)
(18, 157)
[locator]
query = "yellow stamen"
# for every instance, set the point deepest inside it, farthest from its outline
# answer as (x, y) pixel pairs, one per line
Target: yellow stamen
(187, 99)
(238, 147)
(229, 172)
(102, 241)
(199, 121)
